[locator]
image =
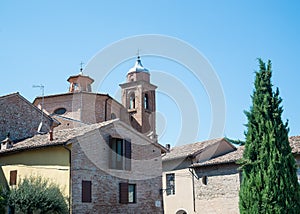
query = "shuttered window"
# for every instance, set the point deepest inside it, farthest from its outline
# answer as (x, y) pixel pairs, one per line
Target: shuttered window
(13, 177)
(127, 193)
(86, 191)
(120, 154)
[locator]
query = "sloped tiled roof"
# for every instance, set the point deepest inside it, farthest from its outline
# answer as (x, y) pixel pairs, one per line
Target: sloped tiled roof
(231, 157)
(234, 156)
(187, 150)
(59, 137)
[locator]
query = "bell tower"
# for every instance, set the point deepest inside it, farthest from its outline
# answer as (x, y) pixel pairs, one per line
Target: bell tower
(80, 82)
(138, 97)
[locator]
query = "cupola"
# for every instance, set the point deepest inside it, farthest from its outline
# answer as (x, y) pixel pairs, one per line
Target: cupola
(138, 72)
(80, 83)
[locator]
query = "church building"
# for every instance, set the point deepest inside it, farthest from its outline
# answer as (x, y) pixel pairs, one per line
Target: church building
(103, 154)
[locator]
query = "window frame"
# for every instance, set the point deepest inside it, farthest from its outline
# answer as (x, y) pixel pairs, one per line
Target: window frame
(134, 193)
(120, 154)
(124, 193)
(86, 191)
(170, 188)
(13, 177)
(132, 101)
(146, 101)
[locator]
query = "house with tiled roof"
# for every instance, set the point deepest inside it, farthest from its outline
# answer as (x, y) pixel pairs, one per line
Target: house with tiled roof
(84, 161)
(210, 185)
(178, 177)
(104, 155)
(20, 119)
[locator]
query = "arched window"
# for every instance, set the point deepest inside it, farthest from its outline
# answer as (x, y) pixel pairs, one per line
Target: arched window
(132, 101)
(146, 101)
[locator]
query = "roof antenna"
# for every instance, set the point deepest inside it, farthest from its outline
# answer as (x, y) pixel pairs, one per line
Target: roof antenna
(42, 106)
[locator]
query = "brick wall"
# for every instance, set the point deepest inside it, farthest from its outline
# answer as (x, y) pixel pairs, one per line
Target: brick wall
(89, 108)
(90, 155)
(20, 118)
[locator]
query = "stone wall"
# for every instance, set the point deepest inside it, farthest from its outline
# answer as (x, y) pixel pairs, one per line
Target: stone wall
(217, 189)
(20, 118)
(90, 156)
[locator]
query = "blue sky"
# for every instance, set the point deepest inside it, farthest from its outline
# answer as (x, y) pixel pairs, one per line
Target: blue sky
(43, 42)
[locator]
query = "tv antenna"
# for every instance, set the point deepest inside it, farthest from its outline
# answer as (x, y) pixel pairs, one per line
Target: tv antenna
(41, 87)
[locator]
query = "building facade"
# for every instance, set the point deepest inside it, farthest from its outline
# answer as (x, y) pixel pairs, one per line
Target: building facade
(104, 154)
(180, 181)
(210, 184)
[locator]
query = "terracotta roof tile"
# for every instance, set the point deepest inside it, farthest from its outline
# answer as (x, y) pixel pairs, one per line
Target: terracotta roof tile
(234, 156)
(295, 144)
(189, 149)
(231, 157)
(59, 137)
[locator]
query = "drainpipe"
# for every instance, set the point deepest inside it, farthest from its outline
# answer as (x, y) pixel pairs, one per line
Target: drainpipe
(193, 184)
(70, 178)
(105, 108)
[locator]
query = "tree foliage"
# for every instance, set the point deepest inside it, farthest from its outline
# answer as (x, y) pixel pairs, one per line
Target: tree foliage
(37, 195)
(269, 183)
(3, 200)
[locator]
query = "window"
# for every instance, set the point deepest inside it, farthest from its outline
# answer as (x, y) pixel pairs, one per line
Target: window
(132, 101)
(13, 177)
(60, 111)
(146, 101)
(86, 192)
(120, 154)
(170, 184)
(127, 193)
(131, 193)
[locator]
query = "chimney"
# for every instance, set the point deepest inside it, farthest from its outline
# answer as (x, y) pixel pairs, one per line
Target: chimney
(6, 143)
(168, 146)
(51, 135)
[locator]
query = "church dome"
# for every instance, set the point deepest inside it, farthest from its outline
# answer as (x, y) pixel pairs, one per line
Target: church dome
(138, 67)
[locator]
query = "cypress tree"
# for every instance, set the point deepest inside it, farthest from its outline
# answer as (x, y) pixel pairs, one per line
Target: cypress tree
(269, 179)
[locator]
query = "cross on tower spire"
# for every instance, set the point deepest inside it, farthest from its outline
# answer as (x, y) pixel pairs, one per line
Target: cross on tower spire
(81, 69)
(138, 52)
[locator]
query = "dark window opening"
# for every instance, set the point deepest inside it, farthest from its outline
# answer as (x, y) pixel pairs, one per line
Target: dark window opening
(60, 111)
(170, 181)
(132, 101)
(120, 154)
(86, 191)
(146, 101)
(127, 193)
(13, 177)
